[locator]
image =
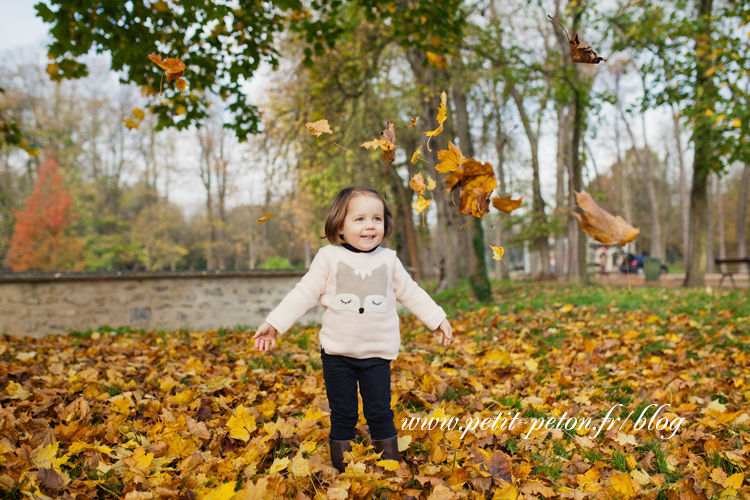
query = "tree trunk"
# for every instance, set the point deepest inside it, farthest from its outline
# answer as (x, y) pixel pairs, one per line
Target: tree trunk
(720, 220)
(710, 228)
(644, 160)
(452, 255)
(563, 157)
(501, 139)
(742, 213)
(409, 233)
(684, 204)
(537, 205)
(577, 241)
(703, 139)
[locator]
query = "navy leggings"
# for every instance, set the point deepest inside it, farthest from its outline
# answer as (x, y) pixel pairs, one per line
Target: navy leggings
(341, 374)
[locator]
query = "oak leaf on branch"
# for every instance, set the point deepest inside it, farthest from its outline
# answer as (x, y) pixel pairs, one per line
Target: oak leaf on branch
(319, 127)
(506, 204)
(580, 52)
(601, 225)
(476, 182)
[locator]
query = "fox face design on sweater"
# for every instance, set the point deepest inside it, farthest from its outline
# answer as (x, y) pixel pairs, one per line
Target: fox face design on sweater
(361, 291)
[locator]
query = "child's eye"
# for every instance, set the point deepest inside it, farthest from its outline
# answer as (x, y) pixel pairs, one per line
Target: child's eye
(346, 301)
(358, 219)
(378, 219)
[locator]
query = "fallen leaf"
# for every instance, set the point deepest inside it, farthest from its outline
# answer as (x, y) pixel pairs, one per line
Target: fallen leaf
(579, 51)
(416, 155)
(442, 115)
(602, 226)
(497, 252)
(450, 160)
(506, 204)
(417, 183)
(265, 218)
(476, 182)
(241, 425)
(421, 205)
(318, 128)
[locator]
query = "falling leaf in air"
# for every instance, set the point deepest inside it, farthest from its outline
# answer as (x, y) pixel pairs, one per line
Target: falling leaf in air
(579, 51)
(389, 135)
(497, 252)
(506, 204)
(264, 219)
(601, 225)
(431, 183)
(172, 66)
(442, 115)
(135, 120)
(413, 122)
(450, 160)
(436, 60)
(180, 84)
(415, 156)
(417, 183)
(319, 127)
(476, 182)
(421, 205)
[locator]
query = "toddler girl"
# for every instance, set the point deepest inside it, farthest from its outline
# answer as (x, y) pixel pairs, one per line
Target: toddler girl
(358, 283)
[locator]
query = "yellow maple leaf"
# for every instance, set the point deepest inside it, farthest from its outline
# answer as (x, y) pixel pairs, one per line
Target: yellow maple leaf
(383, 144)
(623, 484)
(415, 156)
(531, 365)
(300, 466)
(404, 442)
(413, 122)
(442, 115)
(389, 465)
(436, 60)
(319, 127)
(279, 465)
(241, 425)
(45, 457)
(421, 205)
(497, 252)
(139, 460)
(267, 408)
(450, 159)
(223, 492)
(264, 219)
(507, 493)
(431, 183)
(16, 391)
(506, 204)
(417, 183)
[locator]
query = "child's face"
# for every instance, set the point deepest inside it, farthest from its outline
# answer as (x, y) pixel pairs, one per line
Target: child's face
(364, 224)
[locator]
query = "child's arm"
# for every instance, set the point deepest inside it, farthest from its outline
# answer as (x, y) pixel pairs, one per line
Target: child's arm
(265, 337)
(446, 330)
(419, 303)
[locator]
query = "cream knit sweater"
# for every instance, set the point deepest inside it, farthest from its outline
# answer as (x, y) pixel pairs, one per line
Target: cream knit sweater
(359, 293)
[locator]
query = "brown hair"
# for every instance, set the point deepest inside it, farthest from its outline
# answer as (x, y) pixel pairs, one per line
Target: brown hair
(337, 214)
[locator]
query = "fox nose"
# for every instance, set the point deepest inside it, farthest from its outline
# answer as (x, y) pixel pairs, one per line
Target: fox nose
(361, 310)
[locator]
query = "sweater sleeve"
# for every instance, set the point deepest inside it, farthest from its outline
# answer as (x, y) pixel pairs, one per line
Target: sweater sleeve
(303, 296)
(416, 300)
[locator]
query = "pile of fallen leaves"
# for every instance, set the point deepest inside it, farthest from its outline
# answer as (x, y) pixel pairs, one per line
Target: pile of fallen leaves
(202, 415)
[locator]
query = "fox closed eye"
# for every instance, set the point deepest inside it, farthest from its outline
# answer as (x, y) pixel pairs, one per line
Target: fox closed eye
(376, 303)
(346, 301)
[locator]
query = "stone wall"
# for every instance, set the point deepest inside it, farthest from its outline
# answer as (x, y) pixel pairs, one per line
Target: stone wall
(41, 304)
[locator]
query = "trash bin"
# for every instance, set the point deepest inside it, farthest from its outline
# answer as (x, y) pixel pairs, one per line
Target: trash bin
(652, 269)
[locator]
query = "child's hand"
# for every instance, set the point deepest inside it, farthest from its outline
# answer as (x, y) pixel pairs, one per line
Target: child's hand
(446, 331)
(265, 337)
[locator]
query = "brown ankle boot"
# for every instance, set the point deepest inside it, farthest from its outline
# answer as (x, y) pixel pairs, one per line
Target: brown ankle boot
(337, 453)
(389, 447)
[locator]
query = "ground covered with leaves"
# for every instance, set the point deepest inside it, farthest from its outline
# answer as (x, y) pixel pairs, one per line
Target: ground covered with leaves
(202, 415)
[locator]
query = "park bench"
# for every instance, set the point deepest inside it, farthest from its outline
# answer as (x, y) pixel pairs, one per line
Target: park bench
(725, 272)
